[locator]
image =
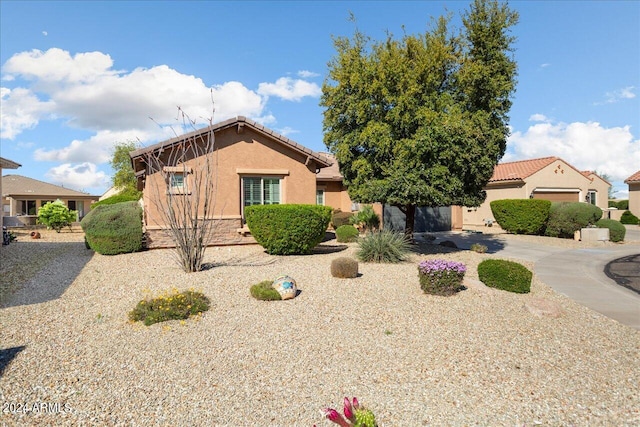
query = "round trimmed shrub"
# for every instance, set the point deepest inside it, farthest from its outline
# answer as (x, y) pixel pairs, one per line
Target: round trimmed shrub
(505, 275)
(344, 268)
(479, 248)
(521, 216)
(114, 229)
(118, 198)
(629, 218)
(565, 218)
(617, 231)
(288, 229)
(347, 233)
(339, 218)
(264, 291)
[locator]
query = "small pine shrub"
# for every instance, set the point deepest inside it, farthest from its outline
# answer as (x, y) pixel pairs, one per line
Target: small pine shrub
(344, 268)
(264, 291)
(505, 275)
(288, 229)
(114, 229)
(383, 246)
(565, 218)
(521, 216)
(339, 218)
(617, 231)
(629, 218)
(479, 248)
(56, 215)
(347, 233)
(441, 277)
(170, 306)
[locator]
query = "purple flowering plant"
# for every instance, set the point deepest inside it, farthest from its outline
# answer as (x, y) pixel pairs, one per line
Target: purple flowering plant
(441, 277)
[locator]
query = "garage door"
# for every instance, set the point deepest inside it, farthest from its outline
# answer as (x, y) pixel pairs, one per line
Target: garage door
(426, 220)
(557, 196)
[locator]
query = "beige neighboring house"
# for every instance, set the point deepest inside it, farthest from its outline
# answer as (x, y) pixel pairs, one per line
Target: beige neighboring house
(548, 178)
(5, 164)
(634, 193)
(255, 165)
(23, 196)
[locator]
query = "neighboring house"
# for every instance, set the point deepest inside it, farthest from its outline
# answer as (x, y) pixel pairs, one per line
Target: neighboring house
(5, 164)
(634, 193)
(22, 197)
(112, 191)
(548, 178)
(254, 165)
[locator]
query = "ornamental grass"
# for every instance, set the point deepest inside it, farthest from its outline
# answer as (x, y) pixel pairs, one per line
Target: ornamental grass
(172, 305)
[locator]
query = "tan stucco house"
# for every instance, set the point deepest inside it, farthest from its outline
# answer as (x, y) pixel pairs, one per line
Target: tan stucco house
(548, 178)
(23, 196)
(634, 193)
(5, 164)
(253, 165)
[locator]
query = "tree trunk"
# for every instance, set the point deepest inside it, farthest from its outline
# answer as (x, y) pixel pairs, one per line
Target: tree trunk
(410, 213)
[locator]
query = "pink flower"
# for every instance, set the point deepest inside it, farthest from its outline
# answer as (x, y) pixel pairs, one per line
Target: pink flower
(348, 410)
(334, 416)
(356, 405)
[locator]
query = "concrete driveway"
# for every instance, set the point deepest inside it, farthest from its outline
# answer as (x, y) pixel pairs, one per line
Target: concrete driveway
(576, 273)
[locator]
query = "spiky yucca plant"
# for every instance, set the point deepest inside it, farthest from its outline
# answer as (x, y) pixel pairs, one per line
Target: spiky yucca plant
(383, 246)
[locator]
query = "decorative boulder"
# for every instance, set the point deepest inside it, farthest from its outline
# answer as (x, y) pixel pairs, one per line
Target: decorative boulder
(286, 286)
(35, 235)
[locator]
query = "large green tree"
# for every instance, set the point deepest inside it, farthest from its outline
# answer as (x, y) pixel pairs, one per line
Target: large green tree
(124, 178)
(422, 120)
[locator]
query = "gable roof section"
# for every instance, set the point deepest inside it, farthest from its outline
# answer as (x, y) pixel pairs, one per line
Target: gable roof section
(8, 164)
(633, 178)
(330, 173)
(589, 173)
(239, 121)
(18, 185)
(521, 169)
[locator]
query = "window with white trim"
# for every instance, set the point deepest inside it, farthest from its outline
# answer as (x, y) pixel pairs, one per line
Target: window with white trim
(260, 191)
(177, 182)
(591, 197)
(320, 196)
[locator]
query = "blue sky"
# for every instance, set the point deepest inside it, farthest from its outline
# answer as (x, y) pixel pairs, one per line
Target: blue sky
(78, 77)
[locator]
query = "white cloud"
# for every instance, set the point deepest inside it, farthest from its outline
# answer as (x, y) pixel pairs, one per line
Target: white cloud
(21, 109)
(587, 146)
(286, 131)
(620, 94)
(538, 118)
(289, 89)
(78, 177)
(98, 148)
(306, 74)
(545, 65)
(44, 33)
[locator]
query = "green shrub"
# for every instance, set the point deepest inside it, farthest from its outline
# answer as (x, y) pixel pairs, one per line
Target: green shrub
(288, 229)
(616, 229)
(264, 291)
(118, 198)
(521, 216)
(347, 233)
(56, 215)
(479, 248)
(344, 268)
(170, 306)
(565, 218)
(339, 218)
(629, 218)
(367, 218)
(383, 246)
(114, 229)
(441, 277)
(620, 204)
(506, 275)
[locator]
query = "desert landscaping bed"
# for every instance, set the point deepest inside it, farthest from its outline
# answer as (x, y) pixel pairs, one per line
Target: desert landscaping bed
(476, 358)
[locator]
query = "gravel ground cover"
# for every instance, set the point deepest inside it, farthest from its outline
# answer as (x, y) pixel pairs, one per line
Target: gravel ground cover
(478, 358)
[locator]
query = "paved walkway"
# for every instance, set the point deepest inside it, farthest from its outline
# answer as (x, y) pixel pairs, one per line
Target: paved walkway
(576, 273)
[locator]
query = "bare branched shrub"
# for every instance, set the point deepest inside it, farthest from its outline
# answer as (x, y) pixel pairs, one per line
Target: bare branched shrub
(185, 192)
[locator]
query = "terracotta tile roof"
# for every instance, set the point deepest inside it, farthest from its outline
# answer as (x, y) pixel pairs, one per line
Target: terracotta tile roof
(8, 164)
(633, 178)
(331, 173)
(237, 121)
(18, 185)
(589, 173)
(521, 169)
